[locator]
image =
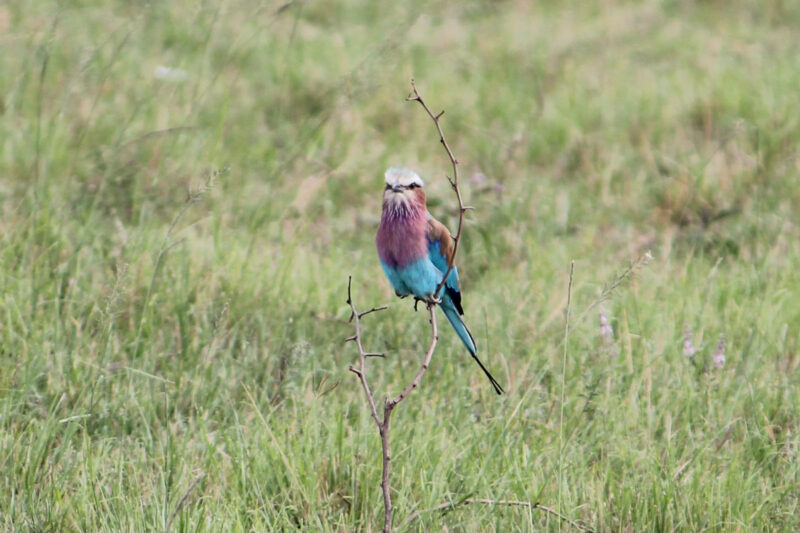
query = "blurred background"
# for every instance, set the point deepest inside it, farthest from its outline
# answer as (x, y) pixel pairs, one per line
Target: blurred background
(186, 187)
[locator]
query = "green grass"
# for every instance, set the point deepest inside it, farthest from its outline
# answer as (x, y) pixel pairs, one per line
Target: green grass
(178, 364)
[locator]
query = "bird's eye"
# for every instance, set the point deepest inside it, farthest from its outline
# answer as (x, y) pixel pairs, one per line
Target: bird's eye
(387, 187)
(413, 186)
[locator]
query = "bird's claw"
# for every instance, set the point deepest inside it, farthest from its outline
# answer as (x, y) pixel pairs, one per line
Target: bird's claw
(429, 301)
(433, 300)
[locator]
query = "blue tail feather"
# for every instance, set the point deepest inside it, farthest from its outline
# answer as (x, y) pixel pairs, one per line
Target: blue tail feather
(466, 337)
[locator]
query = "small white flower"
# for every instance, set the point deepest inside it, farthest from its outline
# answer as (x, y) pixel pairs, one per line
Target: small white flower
(170, 73)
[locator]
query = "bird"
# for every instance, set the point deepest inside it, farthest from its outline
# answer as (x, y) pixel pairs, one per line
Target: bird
(416, 250)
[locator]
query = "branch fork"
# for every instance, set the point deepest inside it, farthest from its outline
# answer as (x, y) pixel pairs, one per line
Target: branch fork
(389, 404)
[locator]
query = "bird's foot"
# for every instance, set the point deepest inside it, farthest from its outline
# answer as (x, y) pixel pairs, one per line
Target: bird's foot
(400, 295)
(433, 300)
(429, 301)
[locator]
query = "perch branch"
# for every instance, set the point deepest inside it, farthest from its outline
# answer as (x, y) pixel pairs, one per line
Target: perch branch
(415, 97)
(389, 405)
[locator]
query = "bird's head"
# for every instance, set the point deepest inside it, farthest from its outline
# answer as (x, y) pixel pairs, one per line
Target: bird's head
(403, 190)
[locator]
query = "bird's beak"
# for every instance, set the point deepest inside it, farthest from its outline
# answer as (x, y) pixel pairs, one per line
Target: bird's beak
(397, 188)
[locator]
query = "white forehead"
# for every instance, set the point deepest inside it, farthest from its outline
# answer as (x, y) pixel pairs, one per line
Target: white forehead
(402, 176)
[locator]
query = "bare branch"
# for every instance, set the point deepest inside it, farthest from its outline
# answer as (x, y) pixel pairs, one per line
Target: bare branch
(445, 507)
(389, 405)
(453, 181)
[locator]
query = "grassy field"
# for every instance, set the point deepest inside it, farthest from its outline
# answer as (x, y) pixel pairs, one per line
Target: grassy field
(186, 187)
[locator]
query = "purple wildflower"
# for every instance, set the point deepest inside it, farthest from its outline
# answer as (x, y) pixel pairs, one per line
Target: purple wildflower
(479, 178)
(719, 355)
(605, 328)
(607, 334)
(688, 347)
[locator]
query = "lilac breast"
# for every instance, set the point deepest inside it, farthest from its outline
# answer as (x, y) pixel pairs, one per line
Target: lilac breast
(401, 238)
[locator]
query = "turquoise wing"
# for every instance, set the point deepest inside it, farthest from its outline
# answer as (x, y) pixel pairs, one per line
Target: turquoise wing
(441, 250)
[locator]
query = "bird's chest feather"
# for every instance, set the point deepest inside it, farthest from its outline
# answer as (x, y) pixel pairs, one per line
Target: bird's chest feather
(402, 241)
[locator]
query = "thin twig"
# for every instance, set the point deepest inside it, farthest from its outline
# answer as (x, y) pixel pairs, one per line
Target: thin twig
(415, 97)
(569, 521)
(156, 133)
(451, 506)
(428, 356)
(374, 309)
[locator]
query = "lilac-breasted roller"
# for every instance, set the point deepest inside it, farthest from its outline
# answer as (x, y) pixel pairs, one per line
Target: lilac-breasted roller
(416, 250)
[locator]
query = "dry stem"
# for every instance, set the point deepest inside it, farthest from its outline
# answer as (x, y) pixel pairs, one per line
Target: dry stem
(537, 505)
(389, 404)
(609, 288)
(564, 383)
(183, 501)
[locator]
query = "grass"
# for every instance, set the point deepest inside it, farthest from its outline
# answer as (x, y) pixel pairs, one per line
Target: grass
(171, 352)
